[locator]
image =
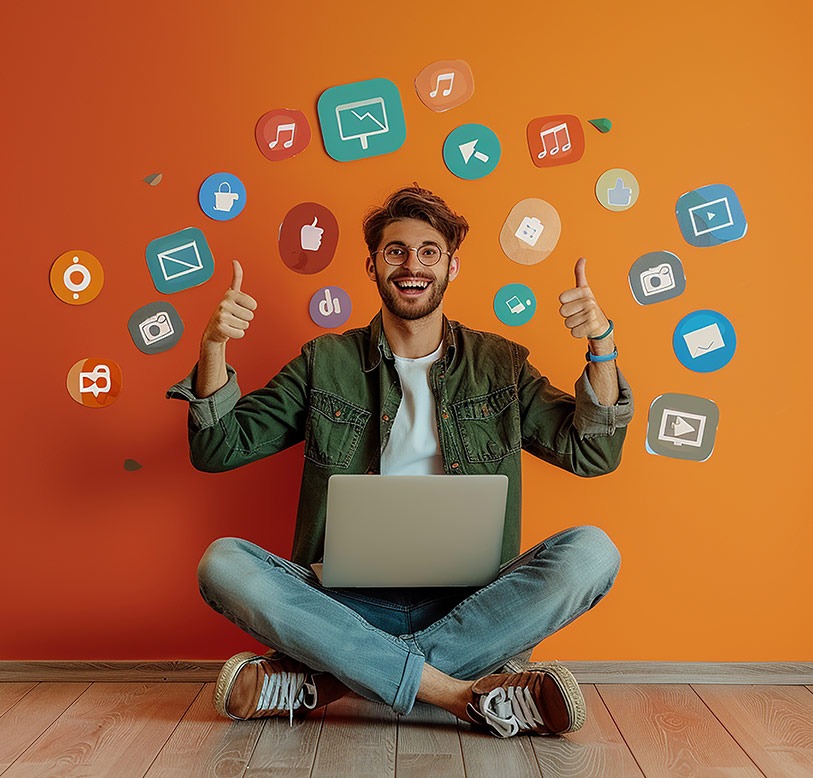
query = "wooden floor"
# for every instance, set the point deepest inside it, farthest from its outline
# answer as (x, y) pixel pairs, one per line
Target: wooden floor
(118, 730)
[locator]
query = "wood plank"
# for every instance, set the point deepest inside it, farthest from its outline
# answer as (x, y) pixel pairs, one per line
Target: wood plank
(25, 722)
(773, 724)
(121, 672)
(792, 673)
(596, 749)
(12, 693)
(485, 754)
(111, 730)
(205, 743)
(358, 739)
(287, 751)
(428, 744)
(671, 732)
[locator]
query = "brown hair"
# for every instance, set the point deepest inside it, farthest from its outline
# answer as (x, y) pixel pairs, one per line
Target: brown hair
(414, 202)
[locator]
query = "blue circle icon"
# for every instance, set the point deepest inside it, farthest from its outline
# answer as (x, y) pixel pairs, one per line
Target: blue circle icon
(704, 341)
(515, 304)
(222, 196)
(471, 151)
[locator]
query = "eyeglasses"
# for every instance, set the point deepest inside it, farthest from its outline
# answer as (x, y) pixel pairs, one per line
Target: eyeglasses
(396, 253)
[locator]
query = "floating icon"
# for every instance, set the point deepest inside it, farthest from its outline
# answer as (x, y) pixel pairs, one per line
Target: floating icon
(154, 179)
(282, 133)
(330, 307)
(617, 189)
(76, 277)
(362, 119)
(710, 215)
(180, 260)
(531, 231)
(155, 327)
(471, 151)
(445, 84)
(94, 383)
(602, 125)
(704, 341)
(682, 426)
(222, 196)
(308, 237)
(656, 276)
(555, 140)
(514, 304)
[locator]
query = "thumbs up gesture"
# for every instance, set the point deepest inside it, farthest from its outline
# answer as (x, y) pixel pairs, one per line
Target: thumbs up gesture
(233, 313)
(579, 308)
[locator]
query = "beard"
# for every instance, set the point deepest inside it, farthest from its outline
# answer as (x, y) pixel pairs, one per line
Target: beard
(407, 309)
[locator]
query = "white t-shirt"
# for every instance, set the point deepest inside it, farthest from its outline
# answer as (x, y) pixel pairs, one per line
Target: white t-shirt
(413, 447)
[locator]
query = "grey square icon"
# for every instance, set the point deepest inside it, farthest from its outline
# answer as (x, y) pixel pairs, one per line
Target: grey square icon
(682, 426)
(656, 276)
(155, 328)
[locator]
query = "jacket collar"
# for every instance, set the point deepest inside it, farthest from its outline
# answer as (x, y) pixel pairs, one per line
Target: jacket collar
(379, 347)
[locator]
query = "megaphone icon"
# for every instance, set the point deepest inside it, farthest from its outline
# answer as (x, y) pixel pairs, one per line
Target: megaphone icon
(96, 381)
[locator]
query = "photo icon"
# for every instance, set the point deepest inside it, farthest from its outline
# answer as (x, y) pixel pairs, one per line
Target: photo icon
(155, 327)
(682, 426)
(362, 119)
(655, 277)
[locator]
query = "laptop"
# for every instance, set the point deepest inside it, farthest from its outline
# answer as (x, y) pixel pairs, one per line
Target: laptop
(413, 530)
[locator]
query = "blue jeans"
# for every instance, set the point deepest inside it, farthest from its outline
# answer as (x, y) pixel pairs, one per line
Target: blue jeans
(376, 640)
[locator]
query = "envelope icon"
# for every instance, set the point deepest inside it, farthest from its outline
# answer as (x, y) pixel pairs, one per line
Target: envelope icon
(704, 340)
(180, 260)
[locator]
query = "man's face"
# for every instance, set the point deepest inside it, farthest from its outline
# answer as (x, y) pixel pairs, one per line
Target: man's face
(412, 290)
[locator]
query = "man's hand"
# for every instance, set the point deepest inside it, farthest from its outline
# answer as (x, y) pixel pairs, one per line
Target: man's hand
(233, 313)
(581, 312)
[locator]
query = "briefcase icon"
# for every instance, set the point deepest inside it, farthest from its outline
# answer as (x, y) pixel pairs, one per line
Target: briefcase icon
(180, 260)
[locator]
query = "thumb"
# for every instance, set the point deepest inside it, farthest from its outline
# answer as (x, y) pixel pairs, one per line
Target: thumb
(237, 276)
(581, 273)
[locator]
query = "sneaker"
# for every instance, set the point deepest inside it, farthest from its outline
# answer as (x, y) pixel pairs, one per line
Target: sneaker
(251, 687)
(543, 701)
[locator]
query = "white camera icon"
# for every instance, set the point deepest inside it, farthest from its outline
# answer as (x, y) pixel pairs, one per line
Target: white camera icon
(156, 328)
(655, 280)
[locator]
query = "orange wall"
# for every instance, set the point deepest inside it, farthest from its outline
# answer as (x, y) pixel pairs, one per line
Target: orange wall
(101, 562)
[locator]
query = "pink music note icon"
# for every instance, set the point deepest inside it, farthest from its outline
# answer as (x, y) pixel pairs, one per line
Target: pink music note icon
(281, 128)
(554, 131)
(441, 78)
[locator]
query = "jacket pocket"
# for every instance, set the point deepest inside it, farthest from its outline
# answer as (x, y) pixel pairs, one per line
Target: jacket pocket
(489, 425)
(333, 430)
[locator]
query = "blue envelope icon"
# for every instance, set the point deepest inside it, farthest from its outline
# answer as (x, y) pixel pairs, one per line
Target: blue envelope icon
(180, 260)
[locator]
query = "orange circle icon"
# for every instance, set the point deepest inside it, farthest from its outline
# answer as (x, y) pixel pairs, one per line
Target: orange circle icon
(445, 84)
(76, 277)
(95, 383)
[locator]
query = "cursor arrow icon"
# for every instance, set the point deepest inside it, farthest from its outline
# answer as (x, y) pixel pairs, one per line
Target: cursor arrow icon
(467, 150)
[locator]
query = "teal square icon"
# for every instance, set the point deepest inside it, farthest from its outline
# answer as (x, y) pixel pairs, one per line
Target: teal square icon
(362, 119)
(180, 260)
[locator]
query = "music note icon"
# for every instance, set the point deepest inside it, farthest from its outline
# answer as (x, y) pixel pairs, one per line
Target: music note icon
(554, 131)
(282, 128)
(442, 78)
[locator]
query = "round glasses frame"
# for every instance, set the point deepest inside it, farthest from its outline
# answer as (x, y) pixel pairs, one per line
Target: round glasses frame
(391, 259)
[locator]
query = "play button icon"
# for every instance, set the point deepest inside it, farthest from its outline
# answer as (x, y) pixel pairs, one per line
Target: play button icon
(710, 215)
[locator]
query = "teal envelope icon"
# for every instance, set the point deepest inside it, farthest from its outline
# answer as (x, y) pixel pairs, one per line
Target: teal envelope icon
(180, 260)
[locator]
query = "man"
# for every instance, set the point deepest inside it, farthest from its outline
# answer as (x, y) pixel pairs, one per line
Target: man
(413, 392)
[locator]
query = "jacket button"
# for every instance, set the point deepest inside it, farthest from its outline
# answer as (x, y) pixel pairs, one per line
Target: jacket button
(455, 465)
(337, 414)
(445, 415)
(385, 417)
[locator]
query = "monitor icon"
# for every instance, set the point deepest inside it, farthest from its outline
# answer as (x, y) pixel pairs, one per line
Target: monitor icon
(362, 119)
(710, 217)
(682, 428)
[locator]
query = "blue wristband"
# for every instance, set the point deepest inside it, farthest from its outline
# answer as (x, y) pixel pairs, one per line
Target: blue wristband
(609, 330)
(601, 357)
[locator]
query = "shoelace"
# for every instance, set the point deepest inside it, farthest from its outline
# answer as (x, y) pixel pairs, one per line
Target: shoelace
(509, 713)
(286, 691)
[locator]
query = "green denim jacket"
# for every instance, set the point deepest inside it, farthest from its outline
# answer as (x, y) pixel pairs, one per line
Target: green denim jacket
(341, 394)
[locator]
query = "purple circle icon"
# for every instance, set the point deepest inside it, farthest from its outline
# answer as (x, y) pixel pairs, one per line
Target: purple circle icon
(330, 307)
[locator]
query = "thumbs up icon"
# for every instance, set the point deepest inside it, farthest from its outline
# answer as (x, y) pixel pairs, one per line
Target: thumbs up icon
(619, 195)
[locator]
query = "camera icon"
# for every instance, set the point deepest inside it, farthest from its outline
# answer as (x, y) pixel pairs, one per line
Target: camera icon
(655, 280)
(156, 328)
